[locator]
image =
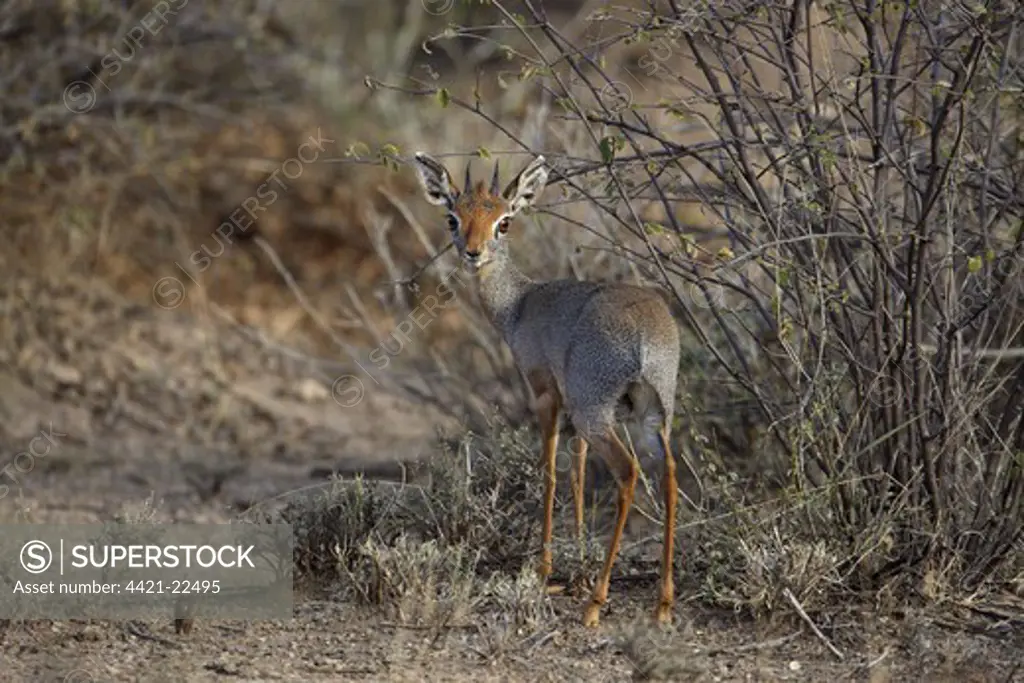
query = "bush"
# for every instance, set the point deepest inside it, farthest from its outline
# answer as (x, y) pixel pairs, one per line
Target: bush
(476, 514)
(866, 299)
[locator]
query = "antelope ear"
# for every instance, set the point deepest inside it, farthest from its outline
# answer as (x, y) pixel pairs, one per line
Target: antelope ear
(436, 181)
(527, 186)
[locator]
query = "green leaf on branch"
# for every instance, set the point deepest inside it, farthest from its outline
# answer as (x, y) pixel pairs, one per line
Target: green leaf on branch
(609, 145)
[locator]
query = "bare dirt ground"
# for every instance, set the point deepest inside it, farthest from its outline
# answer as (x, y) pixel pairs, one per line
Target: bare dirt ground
(200, 422)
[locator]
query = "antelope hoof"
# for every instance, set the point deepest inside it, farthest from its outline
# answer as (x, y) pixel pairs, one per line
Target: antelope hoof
(592, 615)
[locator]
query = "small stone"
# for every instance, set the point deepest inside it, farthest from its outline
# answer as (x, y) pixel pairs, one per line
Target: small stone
(311, 391)
(65, 374)
(794, 665)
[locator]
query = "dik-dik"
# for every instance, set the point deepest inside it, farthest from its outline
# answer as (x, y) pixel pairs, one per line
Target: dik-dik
(597, 352)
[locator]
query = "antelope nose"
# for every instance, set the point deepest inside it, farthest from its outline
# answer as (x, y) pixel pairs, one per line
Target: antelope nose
(472, 255)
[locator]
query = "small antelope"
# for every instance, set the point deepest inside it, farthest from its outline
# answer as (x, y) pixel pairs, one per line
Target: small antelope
(600, 352)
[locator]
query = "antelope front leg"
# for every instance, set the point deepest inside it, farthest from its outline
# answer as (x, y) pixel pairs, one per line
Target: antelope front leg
(579, 474)
(547, 414)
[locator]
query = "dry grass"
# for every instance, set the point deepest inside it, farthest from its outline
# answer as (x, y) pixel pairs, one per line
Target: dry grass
(439, 554)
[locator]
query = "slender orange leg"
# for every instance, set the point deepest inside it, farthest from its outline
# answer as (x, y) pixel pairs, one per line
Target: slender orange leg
(548, 407)
(663, 612)
(624, 466)
(579, 481)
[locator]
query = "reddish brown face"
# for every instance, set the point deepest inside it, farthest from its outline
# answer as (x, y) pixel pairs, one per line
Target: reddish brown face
(479, 216)
(478, 220)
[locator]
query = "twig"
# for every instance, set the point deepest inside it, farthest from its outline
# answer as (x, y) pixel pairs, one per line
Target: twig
(360, 310)
(427, 627)
(260, 337)
(788, 594)
(294, 287)
(134, 629)
(300, 296)
(404, 387)
(407, 214)
(421, 235)
(760, 645)
(411, 280)
(544, 640)
(1007, 354)
(377, 228)
(878, 660)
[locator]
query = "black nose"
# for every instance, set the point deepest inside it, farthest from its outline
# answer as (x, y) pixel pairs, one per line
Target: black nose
(472, 255)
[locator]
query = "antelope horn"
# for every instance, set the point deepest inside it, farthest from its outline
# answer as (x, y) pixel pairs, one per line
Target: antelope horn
(494, 179)
(466, 186)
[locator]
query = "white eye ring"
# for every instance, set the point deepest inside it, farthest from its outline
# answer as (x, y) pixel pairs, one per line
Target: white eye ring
(453, 222)
(501, 227)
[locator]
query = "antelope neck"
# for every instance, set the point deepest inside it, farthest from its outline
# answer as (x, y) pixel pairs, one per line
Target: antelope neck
(502, 287)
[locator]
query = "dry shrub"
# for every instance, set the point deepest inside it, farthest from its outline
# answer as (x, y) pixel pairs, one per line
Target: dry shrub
(868, 303)
(476, 514)
(461, 543)
(520, 601)
(656, 655)
(419, 582)
(750, 571)
(576, 562)
(515, 609)
(486, 492)
(746, 551)
(332, 525)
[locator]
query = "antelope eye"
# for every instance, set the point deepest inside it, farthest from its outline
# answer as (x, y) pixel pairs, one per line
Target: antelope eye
(453, 222)
(503, 225)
